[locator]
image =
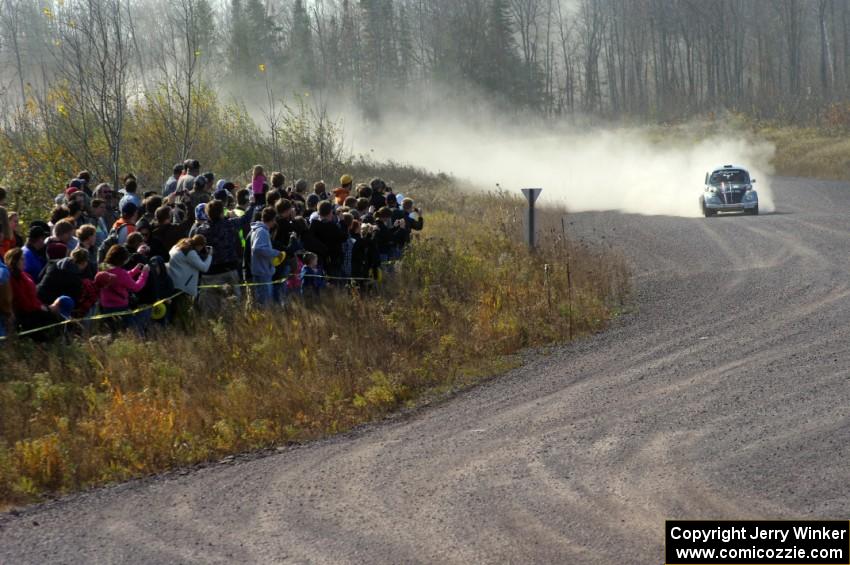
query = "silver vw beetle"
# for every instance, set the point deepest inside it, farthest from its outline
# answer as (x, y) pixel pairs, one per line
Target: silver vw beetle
(729, 189)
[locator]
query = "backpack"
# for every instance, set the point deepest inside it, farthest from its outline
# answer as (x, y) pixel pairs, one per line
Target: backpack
(112, 239)
(246, 258)
(159, 284)
(222, 236)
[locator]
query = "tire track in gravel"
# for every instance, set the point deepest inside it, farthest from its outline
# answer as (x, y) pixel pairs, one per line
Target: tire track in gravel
(724, 395)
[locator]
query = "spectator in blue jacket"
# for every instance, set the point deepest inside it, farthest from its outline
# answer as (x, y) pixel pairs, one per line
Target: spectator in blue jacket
(35, 257)
(5, 298)
(312, 278)
(262, 257)
(170, 185)
(129, 194)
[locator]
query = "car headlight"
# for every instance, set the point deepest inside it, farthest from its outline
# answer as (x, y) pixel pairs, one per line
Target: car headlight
(750, 195)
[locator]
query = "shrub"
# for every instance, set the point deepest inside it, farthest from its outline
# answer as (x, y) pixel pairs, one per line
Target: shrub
(464, 294)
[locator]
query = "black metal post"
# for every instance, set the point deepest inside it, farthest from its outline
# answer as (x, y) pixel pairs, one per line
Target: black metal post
(531, 195)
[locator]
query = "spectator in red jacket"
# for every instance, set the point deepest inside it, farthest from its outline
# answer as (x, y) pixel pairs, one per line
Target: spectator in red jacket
(29, 311)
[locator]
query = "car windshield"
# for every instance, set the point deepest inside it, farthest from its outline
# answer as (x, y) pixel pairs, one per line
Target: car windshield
(729, 176)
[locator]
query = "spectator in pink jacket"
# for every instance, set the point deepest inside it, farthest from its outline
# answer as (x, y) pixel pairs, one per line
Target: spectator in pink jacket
(259, 186)
(115, 297)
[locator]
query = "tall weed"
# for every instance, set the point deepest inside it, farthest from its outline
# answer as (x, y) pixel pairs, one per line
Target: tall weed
(467, 292)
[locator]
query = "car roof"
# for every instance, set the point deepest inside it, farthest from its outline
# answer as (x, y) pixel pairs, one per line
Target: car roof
(729, 168)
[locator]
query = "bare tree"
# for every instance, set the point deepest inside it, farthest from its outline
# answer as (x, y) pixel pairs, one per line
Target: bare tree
(93, 56)
(179, 59)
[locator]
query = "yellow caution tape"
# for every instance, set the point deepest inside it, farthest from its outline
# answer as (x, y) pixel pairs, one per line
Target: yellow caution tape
(96, 317)
(165, 300)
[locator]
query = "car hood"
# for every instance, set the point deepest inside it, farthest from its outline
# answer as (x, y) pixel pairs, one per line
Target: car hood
(732, 187)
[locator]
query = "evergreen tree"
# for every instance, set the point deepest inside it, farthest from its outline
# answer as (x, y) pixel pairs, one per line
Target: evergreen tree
(406, 55)
(501, 66)
(332, 52)
(301, 47)
(258, 35)
(348, 76)
(388, 42)
(371, 67)
(238, 55)
(205, 29)
(252, 50)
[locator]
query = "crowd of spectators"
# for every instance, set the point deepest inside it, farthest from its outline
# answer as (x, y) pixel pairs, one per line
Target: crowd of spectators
(138, 258)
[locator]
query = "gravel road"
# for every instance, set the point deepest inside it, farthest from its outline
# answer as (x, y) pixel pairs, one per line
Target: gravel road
(726, 394)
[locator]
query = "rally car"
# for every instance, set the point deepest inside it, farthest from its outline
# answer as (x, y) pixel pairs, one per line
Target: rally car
(729, 189)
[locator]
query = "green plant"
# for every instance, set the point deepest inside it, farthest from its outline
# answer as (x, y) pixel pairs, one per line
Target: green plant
(464, 294)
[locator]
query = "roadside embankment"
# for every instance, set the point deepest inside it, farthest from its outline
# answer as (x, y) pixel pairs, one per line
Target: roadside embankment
(466, 294)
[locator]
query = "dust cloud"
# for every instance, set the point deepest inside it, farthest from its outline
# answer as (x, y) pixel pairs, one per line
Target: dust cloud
(630, 170)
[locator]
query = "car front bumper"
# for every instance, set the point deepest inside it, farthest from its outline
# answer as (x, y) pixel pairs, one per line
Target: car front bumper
(732, 207)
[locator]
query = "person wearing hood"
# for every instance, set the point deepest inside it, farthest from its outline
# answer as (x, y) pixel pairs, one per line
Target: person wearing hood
(222, 235)
(64, 277)
(185, 266)
(201, 218)
(262, 256)
(199, 194)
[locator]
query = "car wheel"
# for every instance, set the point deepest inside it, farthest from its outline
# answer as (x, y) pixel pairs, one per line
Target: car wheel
(752, 211)
(708, 213)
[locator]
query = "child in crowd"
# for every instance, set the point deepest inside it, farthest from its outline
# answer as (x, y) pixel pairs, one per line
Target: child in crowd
(258, 183)
(116, 296)
(297, 238)
(312, 278)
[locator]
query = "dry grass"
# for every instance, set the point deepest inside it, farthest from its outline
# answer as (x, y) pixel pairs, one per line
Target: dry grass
(466, 293)
(813, 152)
(809, 152)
